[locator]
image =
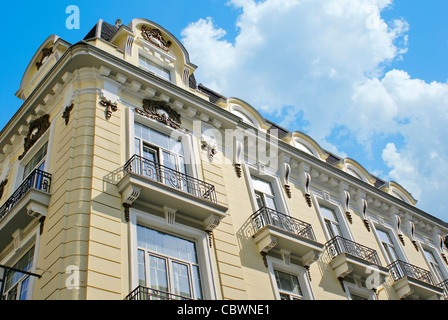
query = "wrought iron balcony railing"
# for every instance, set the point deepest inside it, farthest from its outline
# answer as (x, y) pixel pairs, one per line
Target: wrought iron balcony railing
(144, 293)
(339, 245)
(266, 216)
(399, 269)
(37, 179)
(444, 286)
(156, 172)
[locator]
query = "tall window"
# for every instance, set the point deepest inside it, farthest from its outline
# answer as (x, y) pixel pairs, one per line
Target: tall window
(16, 283)
(388, 245)
(160, 149)
(168, 263)
(435, 268)
(264, 194)
(36, 162)
(153, 67)
(331, 222)
(288, 286)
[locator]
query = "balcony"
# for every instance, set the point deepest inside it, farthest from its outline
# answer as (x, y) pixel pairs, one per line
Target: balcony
(144, 293)
(412, 280)
(444, 286)
(274, 229)
(174, 192)
(29, 201)
(348, 257)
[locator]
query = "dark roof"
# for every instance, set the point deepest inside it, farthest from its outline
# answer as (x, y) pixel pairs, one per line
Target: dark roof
(282, 132)
(212, 95)
(103, 29)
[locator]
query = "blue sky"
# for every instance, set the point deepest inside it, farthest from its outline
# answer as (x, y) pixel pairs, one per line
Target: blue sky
(366, 79)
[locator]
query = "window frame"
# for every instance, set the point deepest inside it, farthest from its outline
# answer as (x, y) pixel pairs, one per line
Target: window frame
(199, 237)
(292, 269)
(401, 255)
(440, 264)
(322, 200)
(25, 244)
(158, 63)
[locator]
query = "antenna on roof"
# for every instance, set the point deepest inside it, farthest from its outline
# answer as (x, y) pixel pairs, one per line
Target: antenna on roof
(118, 23)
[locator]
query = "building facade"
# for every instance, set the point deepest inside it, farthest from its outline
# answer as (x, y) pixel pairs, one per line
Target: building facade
(123, 178)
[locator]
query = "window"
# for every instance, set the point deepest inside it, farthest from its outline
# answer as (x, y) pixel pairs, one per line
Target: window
(36, 162)
(158, 149)
(168, 264)
(153, 67)
(264, 194)
(388, 245)
(288, 286)
(434, 265)
(16, 283)
(331, 222)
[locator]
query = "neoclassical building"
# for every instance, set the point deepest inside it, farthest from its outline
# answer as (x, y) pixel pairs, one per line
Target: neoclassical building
(122, 177)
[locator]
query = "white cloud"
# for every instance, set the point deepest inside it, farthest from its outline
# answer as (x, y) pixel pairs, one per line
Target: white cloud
(324, 61)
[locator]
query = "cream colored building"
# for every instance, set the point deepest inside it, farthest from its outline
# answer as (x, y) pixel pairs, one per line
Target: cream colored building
(123, 178)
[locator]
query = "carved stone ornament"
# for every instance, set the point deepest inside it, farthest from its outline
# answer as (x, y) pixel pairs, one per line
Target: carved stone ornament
(66, 113)
(155, 37)
(2, 187)
(46, 52)
(161, 112)
(36, 129)
(110, 107)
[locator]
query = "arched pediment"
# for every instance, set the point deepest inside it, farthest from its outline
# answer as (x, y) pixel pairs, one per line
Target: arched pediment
(43, 60)
(161, 38)
(247, 113)
(355, 169)
(307, 144)
(399, 192)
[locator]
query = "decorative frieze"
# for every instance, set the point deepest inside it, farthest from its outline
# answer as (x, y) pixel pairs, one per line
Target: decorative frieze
(46, 52)
(161, 112)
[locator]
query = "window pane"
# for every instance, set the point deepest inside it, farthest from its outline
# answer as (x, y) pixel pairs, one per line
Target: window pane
(328, 214)
(270, 203)
(141, 268)
(35, 160)
(181, 281)
(262, 186)
(197, 283)
(158, 273)
(287, 283)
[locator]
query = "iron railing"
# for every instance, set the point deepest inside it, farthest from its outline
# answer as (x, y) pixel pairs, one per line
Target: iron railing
(266, 216)
(144, 293)
(156, 172)
(399, 269)
(339, 245)
(37, 179)
(444, 286)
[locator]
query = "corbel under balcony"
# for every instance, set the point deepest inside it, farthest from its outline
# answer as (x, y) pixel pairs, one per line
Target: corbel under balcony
(273, 229)
(410, 280)
(348, 257)
(175, 193)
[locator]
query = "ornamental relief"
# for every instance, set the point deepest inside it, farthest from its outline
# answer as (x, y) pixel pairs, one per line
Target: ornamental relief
(161, 112)
(36, 129)
(155, 37)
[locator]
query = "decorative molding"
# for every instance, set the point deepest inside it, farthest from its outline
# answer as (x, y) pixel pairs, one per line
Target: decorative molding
(364, 214)
(170, 215)
(211, 146)
(307, 188)
(110, 107)
(2, 187)
(46, 52)
(400, 235)
(445, 241)
(161, 112)
(36, 129)
(238, 155)
(286, 185)
(414, 241)
(66, 113)
(126, 207)
(155, 37)
(211, 223)
(347, 206)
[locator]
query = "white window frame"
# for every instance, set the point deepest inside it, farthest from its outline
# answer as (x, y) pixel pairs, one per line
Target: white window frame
(441, 264)
(158, 63)
(32, 239)
(363, 292)
(279, 199)
(200, 238)
(325, 200)
(293, 269)
(394, 238)
(187, 145)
